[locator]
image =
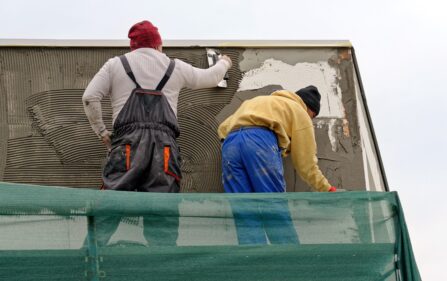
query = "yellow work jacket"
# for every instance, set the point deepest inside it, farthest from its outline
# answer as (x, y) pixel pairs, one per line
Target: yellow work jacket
(284, 113)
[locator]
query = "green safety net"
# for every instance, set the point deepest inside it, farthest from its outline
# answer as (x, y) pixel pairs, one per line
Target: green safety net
(50, 233)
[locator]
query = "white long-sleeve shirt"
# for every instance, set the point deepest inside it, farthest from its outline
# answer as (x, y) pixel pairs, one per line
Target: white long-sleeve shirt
(149, 67)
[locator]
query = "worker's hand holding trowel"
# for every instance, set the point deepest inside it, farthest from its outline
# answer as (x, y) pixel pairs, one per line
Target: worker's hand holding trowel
(214, 56)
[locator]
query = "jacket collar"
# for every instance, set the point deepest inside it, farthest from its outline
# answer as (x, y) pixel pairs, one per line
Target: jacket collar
(146, 50)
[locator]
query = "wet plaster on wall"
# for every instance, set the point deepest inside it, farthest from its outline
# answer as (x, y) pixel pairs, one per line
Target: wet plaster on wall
(50, 140)
(295, 77)
(199, 143)
(343, 165)
(337, 159)
(351, 127)
(241, 96)
(4, 129)
(336, 128)
(254, 58)
(56, 125)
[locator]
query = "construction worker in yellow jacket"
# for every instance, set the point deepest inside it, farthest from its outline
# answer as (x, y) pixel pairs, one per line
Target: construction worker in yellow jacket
(261, 131)
(256, 137)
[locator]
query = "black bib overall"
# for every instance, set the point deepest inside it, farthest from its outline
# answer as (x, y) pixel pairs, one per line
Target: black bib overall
(144, 156)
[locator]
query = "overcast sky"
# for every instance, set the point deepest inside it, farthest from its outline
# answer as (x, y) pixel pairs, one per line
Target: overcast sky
(401, 48)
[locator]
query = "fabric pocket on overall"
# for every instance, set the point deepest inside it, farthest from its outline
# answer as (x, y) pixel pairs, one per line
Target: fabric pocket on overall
(171, 162)
(150, 99)
(118, 160)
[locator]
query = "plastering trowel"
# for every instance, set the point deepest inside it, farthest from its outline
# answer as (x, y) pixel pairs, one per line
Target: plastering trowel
(213, 56)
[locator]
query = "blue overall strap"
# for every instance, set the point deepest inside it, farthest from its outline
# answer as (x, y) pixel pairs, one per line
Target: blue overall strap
(128, 70)
(167, 76)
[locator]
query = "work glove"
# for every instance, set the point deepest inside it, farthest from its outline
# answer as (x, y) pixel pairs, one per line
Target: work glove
(334, 189)
(105, 138)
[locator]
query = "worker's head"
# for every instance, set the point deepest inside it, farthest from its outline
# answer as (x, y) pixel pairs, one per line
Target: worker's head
(144, 35)
(311, 98)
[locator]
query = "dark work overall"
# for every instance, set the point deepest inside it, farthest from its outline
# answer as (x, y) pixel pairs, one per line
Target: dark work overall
(144, 156)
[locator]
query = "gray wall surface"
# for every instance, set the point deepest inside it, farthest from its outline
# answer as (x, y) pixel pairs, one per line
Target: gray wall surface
(45, 137)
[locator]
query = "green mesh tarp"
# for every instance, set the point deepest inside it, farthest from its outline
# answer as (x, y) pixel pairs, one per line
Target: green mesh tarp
(49, 233)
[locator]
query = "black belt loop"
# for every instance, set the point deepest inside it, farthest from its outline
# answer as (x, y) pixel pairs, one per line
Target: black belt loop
(167, 76)
(128, 70)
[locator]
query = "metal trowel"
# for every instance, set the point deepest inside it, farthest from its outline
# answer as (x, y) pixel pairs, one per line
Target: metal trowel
(213, 56)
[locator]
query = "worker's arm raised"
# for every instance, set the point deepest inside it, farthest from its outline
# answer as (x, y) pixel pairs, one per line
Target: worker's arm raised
(198, 78)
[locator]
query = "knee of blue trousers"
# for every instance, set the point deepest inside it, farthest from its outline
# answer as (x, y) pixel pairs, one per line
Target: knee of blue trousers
(234, 176)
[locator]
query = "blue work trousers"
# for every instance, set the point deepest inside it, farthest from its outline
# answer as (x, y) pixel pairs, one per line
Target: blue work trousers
(251, 162)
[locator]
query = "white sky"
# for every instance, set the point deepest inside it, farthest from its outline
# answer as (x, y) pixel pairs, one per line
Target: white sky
(401, 47)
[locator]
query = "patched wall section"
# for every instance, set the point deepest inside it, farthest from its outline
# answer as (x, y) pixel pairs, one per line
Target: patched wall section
(336, 128)
(49, 140)
(45, 137)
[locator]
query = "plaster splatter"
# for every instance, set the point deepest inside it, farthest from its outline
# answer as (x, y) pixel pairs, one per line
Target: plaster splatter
(295, 77)
(332, 134)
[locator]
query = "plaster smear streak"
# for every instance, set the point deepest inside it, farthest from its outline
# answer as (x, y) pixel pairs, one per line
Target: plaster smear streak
(331, 132)
(300, 75)
(295, 77)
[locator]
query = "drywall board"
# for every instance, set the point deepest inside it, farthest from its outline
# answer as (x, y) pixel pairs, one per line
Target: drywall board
(45, 137)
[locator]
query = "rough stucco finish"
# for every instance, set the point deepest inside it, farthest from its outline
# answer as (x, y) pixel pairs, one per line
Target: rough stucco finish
(339, 152)
(350, 128)
(49, 140)
(254, 58)
(343, 166)
(295, 77)
(199, 143)
(4, 130)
